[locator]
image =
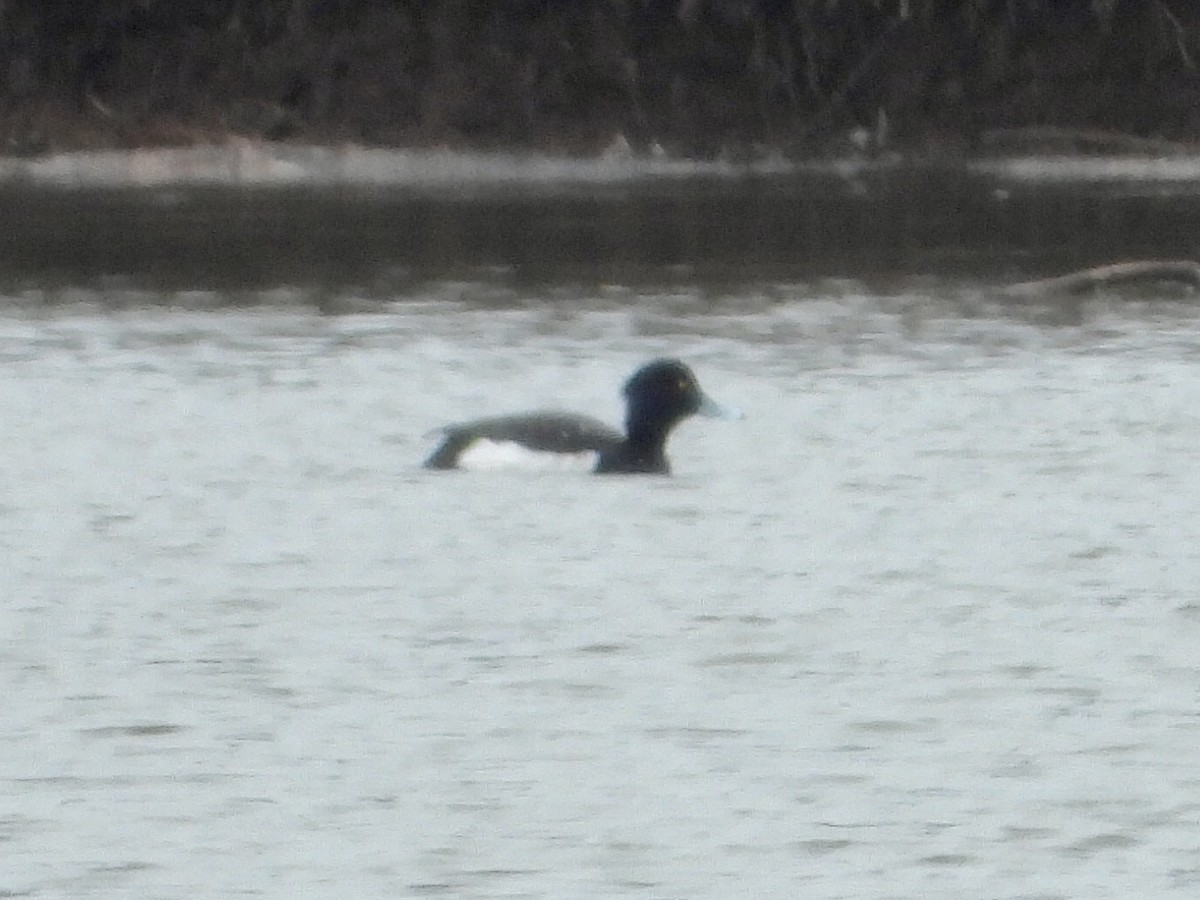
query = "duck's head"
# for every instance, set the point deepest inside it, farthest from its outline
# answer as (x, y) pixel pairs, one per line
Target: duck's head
(663, 392)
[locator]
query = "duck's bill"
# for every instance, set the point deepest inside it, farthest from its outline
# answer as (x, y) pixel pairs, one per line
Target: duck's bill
(714, 410)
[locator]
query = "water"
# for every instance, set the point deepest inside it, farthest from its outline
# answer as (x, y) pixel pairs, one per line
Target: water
(371, 243)
(924, 624)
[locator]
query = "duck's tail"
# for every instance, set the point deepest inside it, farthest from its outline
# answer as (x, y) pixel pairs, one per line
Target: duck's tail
(445, 455)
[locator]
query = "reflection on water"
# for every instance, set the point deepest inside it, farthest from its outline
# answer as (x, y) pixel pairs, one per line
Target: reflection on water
(922, 625)
(717, 230)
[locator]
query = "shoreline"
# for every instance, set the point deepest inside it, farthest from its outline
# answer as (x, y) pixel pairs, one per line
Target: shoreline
(243, 163)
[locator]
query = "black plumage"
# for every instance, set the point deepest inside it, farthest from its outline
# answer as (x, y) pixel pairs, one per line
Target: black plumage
(657, 397)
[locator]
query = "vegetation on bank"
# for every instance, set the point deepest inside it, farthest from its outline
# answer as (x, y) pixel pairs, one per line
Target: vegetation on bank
(697, 77)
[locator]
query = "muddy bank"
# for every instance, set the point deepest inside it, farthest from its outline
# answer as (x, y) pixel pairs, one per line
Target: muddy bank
(694, 77)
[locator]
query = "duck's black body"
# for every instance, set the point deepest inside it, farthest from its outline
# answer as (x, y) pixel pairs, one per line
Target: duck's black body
(657, 397)
(548, 432)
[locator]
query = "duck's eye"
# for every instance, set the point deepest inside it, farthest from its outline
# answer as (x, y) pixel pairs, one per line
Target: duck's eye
(683, 384)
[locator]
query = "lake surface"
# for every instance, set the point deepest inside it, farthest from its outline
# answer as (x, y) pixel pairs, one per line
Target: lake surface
(924, 624)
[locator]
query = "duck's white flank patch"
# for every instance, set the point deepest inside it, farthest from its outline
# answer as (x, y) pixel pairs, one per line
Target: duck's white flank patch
(485, 454)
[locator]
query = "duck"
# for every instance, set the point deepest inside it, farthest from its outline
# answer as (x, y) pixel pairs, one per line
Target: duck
(658, 396)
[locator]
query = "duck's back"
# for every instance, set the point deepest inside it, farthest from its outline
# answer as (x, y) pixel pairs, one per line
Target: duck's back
(556, 433)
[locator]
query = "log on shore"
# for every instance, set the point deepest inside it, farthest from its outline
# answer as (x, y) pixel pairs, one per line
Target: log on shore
(1143, 271)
